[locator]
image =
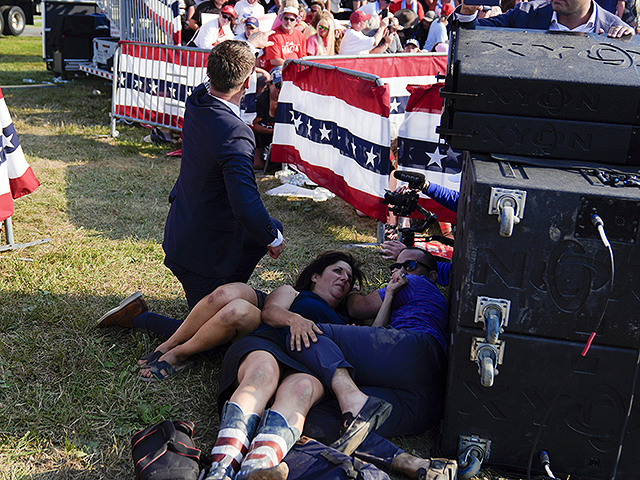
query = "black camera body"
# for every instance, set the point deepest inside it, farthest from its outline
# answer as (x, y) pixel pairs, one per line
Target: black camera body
(403, 204)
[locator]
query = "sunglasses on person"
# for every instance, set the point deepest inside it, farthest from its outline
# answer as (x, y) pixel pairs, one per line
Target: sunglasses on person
(409, 266)
(289, 19)
(278, 85)
(324, 29)
(227, 17)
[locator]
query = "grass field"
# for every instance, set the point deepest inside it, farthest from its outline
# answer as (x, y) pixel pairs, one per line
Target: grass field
(69, 394)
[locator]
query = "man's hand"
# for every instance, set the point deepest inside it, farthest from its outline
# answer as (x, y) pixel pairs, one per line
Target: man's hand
(303, 332)
(391, 249)
(274, 252)
(469, 9)
(398, 282)
(261, 39)
(618, 31)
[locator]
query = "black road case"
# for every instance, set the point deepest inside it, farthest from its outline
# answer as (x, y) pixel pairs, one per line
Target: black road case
(544, 94)
(546, 275)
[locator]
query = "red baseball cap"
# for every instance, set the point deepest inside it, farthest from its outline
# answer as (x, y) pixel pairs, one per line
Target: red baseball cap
(358, 16)
(447, 9)
(229, 10)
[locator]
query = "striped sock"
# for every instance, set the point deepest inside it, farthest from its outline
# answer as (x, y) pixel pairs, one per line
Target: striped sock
(271, 443)
(233, 442)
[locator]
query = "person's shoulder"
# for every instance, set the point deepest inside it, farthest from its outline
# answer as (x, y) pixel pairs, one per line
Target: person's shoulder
(533, 5)
(369, 8)
(607, 18)
(421, 281)
(277, 32)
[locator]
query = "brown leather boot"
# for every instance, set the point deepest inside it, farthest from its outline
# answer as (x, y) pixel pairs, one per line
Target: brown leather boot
(122, 315)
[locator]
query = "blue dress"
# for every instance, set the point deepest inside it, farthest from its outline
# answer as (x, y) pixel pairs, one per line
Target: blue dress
(274, 341)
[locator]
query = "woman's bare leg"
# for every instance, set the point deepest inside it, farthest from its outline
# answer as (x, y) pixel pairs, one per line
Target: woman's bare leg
(236, 319)
(204, 311)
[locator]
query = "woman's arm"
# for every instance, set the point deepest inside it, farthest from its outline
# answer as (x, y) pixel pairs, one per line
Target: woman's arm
(259, 128)
(276, 313)
(397, 282)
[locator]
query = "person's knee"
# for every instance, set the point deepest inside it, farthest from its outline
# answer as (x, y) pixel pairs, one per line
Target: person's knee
(240, 315)
(304, 388)
(262, 375)
(225, 294)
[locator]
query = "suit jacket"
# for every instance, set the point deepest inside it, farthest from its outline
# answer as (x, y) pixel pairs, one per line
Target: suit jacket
(536, 15)
(215, 201)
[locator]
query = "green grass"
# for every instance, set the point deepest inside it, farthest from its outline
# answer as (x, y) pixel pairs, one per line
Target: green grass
(69, 395)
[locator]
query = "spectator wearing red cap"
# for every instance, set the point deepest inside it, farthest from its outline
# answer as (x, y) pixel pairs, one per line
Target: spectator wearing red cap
(288, 42)
(438, 31)
(217, 30)
(410, 4)
(439, 5)
(355, 42)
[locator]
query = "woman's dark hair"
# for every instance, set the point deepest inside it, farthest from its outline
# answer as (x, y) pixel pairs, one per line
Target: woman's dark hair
(322, 261)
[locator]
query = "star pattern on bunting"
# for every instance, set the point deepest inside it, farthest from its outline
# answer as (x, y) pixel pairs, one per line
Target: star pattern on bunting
(368, 155)
(453, 154)
(371, 158)
(7, 141)
(394, 105)
(436, 157)
(324, 133)
(297, 121)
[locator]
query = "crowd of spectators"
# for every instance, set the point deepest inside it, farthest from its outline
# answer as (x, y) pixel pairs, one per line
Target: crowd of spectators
(315, 28)
(377, 26)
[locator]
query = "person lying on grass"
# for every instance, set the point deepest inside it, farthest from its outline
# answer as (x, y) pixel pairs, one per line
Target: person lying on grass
(231, 312)
(399, 370)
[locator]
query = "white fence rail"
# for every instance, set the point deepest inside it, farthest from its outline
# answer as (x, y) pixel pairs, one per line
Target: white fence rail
(151, 21)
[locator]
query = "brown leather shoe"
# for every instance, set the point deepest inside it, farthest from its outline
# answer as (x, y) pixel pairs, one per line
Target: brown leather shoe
(122, 315)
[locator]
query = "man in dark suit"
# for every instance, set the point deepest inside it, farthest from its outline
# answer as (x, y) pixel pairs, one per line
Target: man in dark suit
(217, 229)
(560, 15)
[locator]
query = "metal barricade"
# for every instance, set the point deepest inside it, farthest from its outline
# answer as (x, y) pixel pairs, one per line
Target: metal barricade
(151, 21)
(152, 82)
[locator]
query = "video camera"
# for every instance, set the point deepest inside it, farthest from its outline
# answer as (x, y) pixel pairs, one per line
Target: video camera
(403, 204)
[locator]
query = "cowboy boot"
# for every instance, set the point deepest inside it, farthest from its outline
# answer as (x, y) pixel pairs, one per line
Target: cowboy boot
(273, 440)
(234, 436)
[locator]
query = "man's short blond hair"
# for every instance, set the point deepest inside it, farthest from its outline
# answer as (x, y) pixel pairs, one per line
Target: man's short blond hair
(229, 65)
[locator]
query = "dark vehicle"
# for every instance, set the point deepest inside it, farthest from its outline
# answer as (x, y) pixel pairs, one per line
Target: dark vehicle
(15, 14)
